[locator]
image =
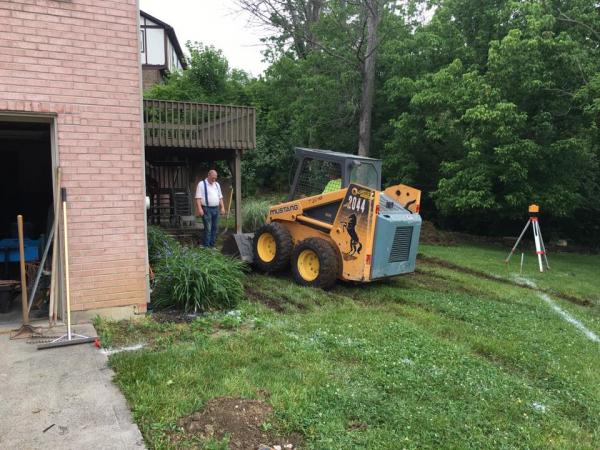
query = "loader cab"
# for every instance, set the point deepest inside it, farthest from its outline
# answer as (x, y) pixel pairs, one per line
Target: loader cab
(317, 171)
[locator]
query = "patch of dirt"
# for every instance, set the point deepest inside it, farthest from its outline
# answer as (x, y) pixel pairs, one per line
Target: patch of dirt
(279, 302)
(240, 419)
(260, 297)
(431, 235)
(173, 316)
(448, 265)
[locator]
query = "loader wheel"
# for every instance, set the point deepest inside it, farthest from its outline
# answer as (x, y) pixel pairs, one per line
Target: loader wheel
(272, 247)
(315, 263)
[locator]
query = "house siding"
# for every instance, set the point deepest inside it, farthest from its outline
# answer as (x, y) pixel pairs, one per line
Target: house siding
(79, 60)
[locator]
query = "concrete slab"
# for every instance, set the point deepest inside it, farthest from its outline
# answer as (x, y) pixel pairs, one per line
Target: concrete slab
(68, 389)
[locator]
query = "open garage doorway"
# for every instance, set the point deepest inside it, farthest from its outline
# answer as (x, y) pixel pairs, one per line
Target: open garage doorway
(26, 188)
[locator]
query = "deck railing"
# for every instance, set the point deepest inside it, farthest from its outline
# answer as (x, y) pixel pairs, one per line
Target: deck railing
(198, 125)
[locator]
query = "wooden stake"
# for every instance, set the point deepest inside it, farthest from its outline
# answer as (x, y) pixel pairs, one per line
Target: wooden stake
(55, 249)
(23, 273)
(522, 257)
(26, 330)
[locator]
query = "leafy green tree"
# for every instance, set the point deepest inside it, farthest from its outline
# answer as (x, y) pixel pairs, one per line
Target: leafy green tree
(509, 121)
(208, 79)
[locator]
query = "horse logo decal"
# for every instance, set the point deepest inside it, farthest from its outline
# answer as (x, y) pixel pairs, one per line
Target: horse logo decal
(350, 226)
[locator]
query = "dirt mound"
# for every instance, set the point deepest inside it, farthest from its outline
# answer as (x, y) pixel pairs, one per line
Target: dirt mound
(431, 235)
(240, 419)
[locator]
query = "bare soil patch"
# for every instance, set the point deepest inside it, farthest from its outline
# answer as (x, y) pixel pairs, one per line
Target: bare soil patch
(267, 300)
(431, 235)
(240, 419)
(173, 316)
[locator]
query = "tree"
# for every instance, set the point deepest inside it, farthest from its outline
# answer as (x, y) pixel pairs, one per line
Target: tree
(207, 79)
(509, 121)
(373, 17)
(343, 29)
(290, 19)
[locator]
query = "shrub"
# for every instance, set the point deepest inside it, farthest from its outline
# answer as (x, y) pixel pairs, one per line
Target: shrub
(198, 280)
(160, 244)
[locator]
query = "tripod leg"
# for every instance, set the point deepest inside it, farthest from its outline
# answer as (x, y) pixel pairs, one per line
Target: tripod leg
(543, 246)
(538, 247)
(518, 240)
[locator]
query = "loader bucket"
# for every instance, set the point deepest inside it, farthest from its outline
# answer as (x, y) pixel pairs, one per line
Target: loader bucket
(239, 245)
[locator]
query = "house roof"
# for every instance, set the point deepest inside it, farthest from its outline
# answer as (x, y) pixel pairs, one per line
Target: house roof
(171, 34)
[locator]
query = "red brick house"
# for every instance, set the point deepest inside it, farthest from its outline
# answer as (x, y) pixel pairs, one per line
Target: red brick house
(71, 96)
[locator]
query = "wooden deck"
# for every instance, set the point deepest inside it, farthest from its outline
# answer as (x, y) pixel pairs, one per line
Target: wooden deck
(199, 125)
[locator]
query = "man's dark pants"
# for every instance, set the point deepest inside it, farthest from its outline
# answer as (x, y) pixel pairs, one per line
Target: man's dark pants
(211, 225)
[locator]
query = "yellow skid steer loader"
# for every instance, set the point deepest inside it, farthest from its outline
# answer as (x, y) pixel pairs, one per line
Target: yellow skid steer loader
(338, 224)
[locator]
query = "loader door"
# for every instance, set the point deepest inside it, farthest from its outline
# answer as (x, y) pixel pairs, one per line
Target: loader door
(353, 231)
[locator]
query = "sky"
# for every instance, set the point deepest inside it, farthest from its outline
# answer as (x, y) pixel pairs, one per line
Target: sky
(213, 22)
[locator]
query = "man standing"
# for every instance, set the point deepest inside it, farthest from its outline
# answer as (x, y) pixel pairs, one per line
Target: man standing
(209, 200)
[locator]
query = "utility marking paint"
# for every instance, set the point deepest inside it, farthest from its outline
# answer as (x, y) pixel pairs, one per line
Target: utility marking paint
(112, 351)
(569, 318)
(565, 315)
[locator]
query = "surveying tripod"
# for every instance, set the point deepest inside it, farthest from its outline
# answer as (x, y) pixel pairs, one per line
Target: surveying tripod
(540, 248)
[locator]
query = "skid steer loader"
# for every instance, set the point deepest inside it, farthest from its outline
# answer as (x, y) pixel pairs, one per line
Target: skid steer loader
(337, 223)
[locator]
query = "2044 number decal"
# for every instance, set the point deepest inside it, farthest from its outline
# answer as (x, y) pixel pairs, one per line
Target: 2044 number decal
(356, 204)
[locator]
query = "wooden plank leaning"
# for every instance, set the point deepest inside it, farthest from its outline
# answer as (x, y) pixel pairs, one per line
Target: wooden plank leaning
(55, 251)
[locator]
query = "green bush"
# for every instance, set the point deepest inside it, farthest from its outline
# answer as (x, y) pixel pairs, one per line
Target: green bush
(160, 244)
(254, 213)
(198, 279)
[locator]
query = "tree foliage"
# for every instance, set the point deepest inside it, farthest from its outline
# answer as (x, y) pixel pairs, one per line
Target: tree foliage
(509, 120)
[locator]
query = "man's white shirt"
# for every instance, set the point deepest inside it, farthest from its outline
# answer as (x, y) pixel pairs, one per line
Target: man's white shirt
(212, 190)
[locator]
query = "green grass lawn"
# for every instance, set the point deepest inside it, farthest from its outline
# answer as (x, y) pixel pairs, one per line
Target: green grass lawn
(570, 274)
(437, 359)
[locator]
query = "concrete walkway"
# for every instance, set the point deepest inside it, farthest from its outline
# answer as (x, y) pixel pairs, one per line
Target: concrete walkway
(68, 392)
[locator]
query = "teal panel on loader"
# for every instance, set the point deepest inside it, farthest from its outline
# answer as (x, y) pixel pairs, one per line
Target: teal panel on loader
(396, 243)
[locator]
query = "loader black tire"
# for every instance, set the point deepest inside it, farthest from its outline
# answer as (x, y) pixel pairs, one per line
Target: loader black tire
(327, 270)
(272, 248)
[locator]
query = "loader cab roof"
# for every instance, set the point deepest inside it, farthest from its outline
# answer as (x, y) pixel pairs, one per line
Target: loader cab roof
(330, 155)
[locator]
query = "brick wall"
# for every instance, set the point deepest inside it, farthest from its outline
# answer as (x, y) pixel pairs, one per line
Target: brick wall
(79, 60)
(150, 77)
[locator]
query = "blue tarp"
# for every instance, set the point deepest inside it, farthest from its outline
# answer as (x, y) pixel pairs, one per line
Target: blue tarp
(10, 247)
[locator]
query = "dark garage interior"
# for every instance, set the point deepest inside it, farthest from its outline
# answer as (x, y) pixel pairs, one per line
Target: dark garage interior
(26, 189)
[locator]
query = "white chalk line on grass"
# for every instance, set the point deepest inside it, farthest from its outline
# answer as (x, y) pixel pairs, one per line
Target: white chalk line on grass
(565, 315)
(569, 318)
(112, 351)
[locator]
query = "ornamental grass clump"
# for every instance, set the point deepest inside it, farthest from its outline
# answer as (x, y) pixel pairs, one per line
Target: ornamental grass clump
(197, 279)
(160, 245)
(254, 213)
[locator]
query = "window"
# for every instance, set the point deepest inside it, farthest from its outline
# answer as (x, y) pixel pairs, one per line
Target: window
(364, 174)
(142, 41)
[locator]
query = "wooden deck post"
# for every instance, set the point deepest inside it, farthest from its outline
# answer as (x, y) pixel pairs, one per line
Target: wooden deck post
(238, 191)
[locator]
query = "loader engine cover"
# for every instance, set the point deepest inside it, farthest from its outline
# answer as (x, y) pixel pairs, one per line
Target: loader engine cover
(396, 240)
